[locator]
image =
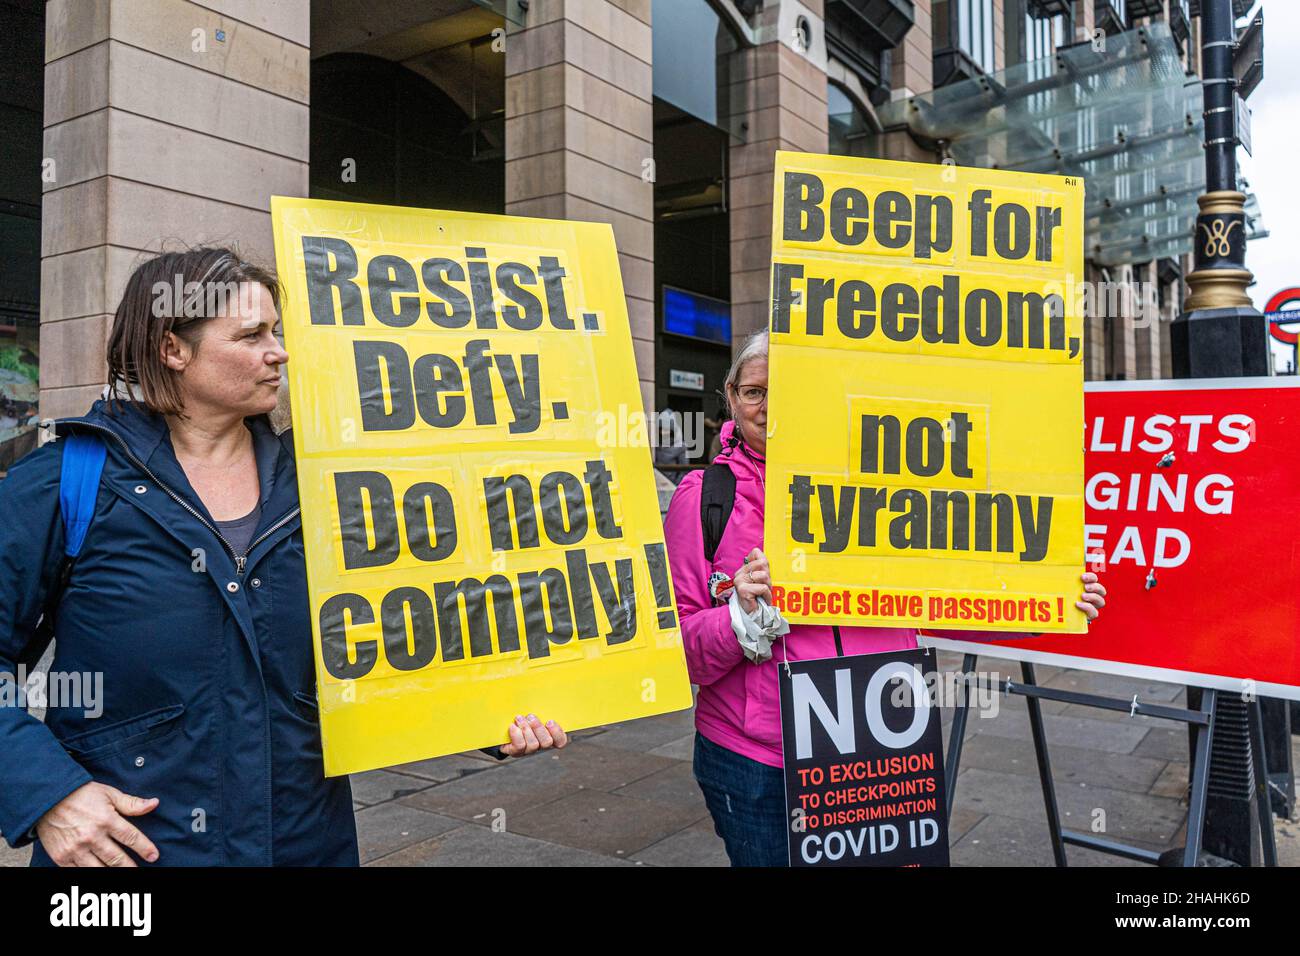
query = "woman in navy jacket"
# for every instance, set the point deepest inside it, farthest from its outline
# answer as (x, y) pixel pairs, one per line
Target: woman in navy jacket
(189, 597)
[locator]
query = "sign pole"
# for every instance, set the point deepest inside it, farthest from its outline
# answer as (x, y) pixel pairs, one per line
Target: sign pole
(1200, 780)
(1044, 765)
(1200, 720)
(957, 733)
(1262, 803)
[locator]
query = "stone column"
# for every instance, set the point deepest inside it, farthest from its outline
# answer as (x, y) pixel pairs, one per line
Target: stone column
(1173, 296)
(1146, 322)
(778, 97)
(1085, 19)
(1094, 327)
(580, 134)
(167, 124)
(912, 61)
(911, 66)
(1000, 33)
(1123, 350)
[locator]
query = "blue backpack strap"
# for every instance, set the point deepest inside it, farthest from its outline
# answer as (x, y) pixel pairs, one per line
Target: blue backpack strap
(83, 463)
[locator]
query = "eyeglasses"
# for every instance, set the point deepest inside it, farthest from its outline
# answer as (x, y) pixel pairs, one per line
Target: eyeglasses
(751, 394)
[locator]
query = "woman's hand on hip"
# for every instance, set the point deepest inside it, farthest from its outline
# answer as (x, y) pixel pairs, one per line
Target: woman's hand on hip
(529, 735)
(753, 581)
(88, 827)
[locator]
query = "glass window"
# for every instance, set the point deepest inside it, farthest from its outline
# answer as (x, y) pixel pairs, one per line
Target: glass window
(975, 31)
(690, 46)
(1043, 36)
(989, 61)
(848, 126)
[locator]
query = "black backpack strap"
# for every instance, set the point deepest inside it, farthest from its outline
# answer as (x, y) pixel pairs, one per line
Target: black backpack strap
(717, 496)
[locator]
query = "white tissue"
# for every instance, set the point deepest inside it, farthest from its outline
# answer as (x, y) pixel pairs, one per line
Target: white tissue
(756, 631)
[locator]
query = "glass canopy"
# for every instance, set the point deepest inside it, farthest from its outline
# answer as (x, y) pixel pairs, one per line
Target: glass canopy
(511, 10)
(1117, 111)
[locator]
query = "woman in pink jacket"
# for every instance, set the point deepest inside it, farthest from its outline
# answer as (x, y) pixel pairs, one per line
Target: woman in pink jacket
(737, 717)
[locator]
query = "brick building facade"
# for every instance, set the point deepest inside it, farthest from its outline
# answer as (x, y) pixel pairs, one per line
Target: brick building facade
(165, 122)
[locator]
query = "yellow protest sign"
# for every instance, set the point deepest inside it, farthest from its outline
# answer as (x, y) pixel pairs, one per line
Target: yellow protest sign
(479, 542)
(925, 454)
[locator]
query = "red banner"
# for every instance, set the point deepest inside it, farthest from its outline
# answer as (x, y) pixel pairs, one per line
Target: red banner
(1192, 522)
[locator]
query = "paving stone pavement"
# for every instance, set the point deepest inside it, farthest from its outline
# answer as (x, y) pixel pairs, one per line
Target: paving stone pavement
(624, 795)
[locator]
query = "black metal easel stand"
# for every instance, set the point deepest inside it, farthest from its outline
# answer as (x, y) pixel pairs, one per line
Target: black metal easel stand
(1201, 722)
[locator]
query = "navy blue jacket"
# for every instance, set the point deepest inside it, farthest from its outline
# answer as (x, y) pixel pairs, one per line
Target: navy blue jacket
(208, 697)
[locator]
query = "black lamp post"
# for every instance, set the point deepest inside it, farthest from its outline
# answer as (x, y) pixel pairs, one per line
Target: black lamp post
(1220, 334)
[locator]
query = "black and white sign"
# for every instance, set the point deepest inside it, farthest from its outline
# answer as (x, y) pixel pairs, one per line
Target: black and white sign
(863, 762)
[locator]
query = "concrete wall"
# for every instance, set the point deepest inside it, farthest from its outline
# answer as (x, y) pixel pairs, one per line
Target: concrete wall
(1094, 334)
(1146, 326)
(779, 95)
(579, 135)
(912, 61)
(161, 134)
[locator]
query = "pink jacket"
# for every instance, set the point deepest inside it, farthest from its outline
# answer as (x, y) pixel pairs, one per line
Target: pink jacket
(738, 706)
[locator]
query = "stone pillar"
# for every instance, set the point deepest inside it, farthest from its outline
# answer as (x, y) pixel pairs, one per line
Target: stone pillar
(1085, 19)
(1000, 33)
(779, 100)
(1173, 296)
(912, 61)
(1123, 350)
(580, 135)
(1146, 322)
(911, 66)
(167, 124)
(1094, 327)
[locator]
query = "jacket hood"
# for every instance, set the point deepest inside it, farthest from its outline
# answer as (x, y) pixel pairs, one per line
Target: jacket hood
(145, 436)
(140, 429)
(744, 462)
(143, 430)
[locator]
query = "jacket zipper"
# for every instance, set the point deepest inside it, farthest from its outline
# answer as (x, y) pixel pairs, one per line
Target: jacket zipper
(241, 560)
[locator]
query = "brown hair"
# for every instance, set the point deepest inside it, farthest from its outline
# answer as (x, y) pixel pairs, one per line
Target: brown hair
(176, 292)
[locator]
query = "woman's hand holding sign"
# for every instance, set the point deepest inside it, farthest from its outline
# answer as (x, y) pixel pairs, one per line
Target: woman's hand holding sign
(1094, 596)
(529, 735)
(753, 581)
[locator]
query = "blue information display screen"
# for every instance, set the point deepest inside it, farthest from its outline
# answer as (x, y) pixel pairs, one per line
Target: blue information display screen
(697, 316)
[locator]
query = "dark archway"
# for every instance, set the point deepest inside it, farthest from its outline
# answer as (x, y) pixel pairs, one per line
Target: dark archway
(22, 114)
(408, 142)
(694, 47)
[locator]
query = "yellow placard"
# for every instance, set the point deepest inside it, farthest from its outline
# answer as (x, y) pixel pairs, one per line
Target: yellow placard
(925, 453)
(479, 513)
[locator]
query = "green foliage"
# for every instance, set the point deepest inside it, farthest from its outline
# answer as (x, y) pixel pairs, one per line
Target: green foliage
(10, 358)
